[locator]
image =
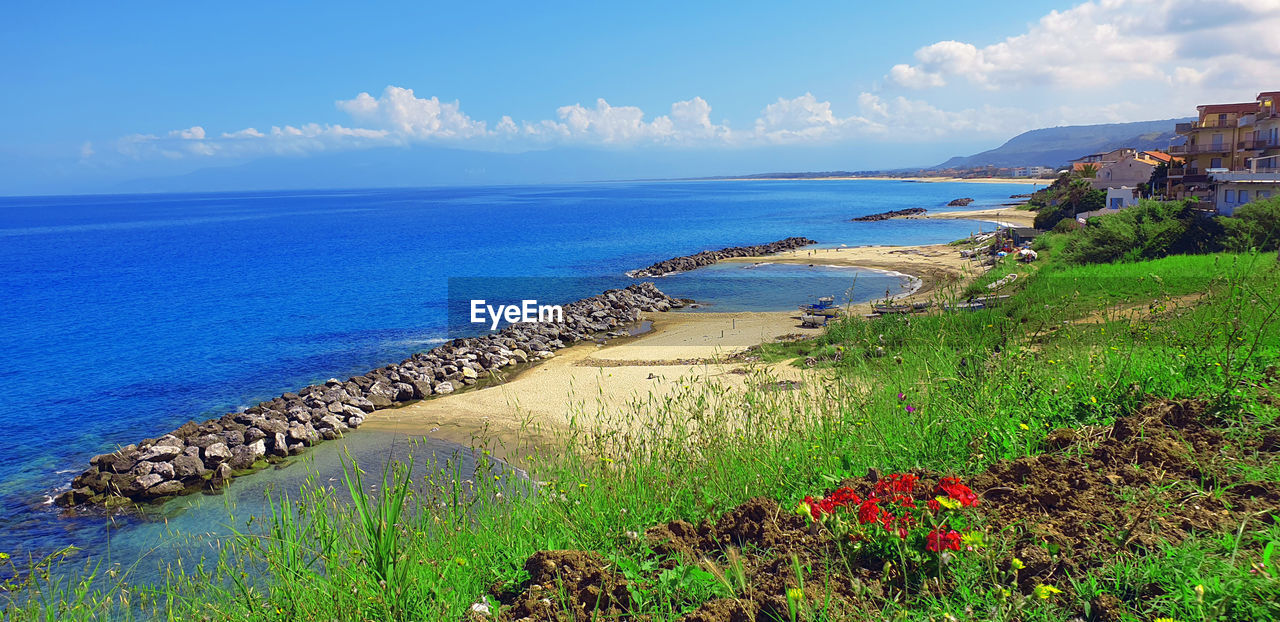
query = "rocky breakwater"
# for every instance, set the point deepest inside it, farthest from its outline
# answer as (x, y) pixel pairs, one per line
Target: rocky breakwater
(910, 211)
(706, 258)
(960, 202)
(209, 454)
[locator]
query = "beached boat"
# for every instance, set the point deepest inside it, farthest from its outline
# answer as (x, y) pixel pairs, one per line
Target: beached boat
(826, 307)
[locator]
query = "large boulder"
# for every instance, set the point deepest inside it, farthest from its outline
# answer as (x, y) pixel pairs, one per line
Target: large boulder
(150, 479)
(161, 452)
(188, 467)
(216, 454)
(244, 456)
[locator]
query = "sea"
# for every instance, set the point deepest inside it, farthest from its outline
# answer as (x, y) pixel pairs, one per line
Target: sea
(124, 316)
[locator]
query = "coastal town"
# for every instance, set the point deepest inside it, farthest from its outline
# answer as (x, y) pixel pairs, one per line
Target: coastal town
(1226, 157)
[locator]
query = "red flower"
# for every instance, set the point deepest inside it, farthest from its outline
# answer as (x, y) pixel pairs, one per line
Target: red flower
(934, 506)
(956, 490)
(943, 538)
(869, 511)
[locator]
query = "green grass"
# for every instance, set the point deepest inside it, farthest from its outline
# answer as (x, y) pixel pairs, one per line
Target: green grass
(985, 385)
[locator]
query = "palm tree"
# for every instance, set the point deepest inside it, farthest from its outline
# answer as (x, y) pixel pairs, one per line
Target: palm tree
(1087, 171)
(1077, 192)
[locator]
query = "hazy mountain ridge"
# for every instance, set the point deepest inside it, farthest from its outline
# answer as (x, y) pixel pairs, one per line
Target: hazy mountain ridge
(1055, 146)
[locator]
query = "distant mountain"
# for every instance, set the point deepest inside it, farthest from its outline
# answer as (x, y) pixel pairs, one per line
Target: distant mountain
(1055, 146)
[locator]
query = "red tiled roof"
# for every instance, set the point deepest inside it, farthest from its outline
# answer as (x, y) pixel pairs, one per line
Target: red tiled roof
(1159, 155)
(1244, 108)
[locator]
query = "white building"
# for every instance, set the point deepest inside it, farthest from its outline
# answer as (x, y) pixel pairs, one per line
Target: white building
(1122, 197)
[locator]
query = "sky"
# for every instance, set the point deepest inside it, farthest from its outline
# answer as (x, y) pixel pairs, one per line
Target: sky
(104, 96)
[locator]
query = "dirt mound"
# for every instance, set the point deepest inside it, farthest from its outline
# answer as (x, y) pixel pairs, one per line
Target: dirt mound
(1100, 492)
(569, 585)
(1138, 486)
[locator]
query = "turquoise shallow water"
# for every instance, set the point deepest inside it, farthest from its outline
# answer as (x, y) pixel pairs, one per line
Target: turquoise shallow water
(125, 316)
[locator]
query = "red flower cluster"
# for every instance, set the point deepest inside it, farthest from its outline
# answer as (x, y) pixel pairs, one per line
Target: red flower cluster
(826, 505)
(942, 538)
(952, 487)
(892, 505)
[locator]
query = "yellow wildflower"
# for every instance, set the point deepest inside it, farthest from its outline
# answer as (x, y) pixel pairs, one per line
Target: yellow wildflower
(1045, 592)
(948, 503)
(1017, 564)
(1024, 426)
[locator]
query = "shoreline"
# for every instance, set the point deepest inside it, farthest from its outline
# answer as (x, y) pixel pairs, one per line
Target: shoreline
(591, 383)
(522, 405)
(1001, 216)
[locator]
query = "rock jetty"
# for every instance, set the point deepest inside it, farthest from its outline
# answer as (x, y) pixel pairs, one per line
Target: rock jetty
(960, 202)
(706, 258)
(207, 455)
(911, 211)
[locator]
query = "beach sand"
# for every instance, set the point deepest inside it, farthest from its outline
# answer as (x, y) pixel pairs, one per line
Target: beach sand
(936, 265)
(592, 384)
(1003, 216)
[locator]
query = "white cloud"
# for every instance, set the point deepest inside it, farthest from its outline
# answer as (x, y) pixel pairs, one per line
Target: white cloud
(86, 150)
(802, 119)
(1108, 43)
(399, 111)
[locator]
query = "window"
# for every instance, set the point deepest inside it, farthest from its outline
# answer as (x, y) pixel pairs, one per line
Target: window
(1243, 196)
(1215, 163)
(1264, 194)
(1117, 203)
(1229, 196)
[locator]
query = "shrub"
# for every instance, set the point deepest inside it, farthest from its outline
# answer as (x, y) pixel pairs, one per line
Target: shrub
(1254, 225)
(1148, 230)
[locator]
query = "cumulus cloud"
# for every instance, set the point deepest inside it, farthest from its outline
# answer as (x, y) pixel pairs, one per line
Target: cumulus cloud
(399, 111)
(1106, 43)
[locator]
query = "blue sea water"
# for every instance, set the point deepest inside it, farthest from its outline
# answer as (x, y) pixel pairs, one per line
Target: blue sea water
(124, 316)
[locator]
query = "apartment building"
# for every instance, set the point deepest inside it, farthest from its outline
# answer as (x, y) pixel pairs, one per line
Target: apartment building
(1231, 154)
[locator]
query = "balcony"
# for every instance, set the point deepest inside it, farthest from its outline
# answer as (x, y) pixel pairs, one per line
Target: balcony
(1268, 174)
(1255, 144)
(1183, 128)
(1207, 124)
(1194, 149)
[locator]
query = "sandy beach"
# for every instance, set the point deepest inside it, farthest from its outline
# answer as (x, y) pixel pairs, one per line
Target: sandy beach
(936, 265)
(591, 384)
(1003, 216)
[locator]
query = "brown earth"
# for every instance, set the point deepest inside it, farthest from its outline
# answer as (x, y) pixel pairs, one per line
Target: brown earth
(1168, 471)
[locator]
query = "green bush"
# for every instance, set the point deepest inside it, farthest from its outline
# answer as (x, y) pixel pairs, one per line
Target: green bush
(1149, 230)
(1255, 225)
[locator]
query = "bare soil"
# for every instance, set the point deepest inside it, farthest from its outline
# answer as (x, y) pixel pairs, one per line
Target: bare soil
(1158, 476)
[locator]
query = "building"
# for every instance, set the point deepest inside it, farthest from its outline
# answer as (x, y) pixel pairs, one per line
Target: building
(1229, 149)
(1121, 197)
(1106, 157)
(1034, 171)
(1130, 171)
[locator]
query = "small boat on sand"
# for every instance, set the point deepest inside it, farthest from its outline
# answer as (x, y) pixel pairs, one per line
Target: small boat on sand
(826, 307)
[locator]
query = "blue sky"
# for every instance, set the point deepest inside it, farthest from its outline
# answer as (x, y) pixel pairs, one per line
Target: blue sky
(102, 93)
